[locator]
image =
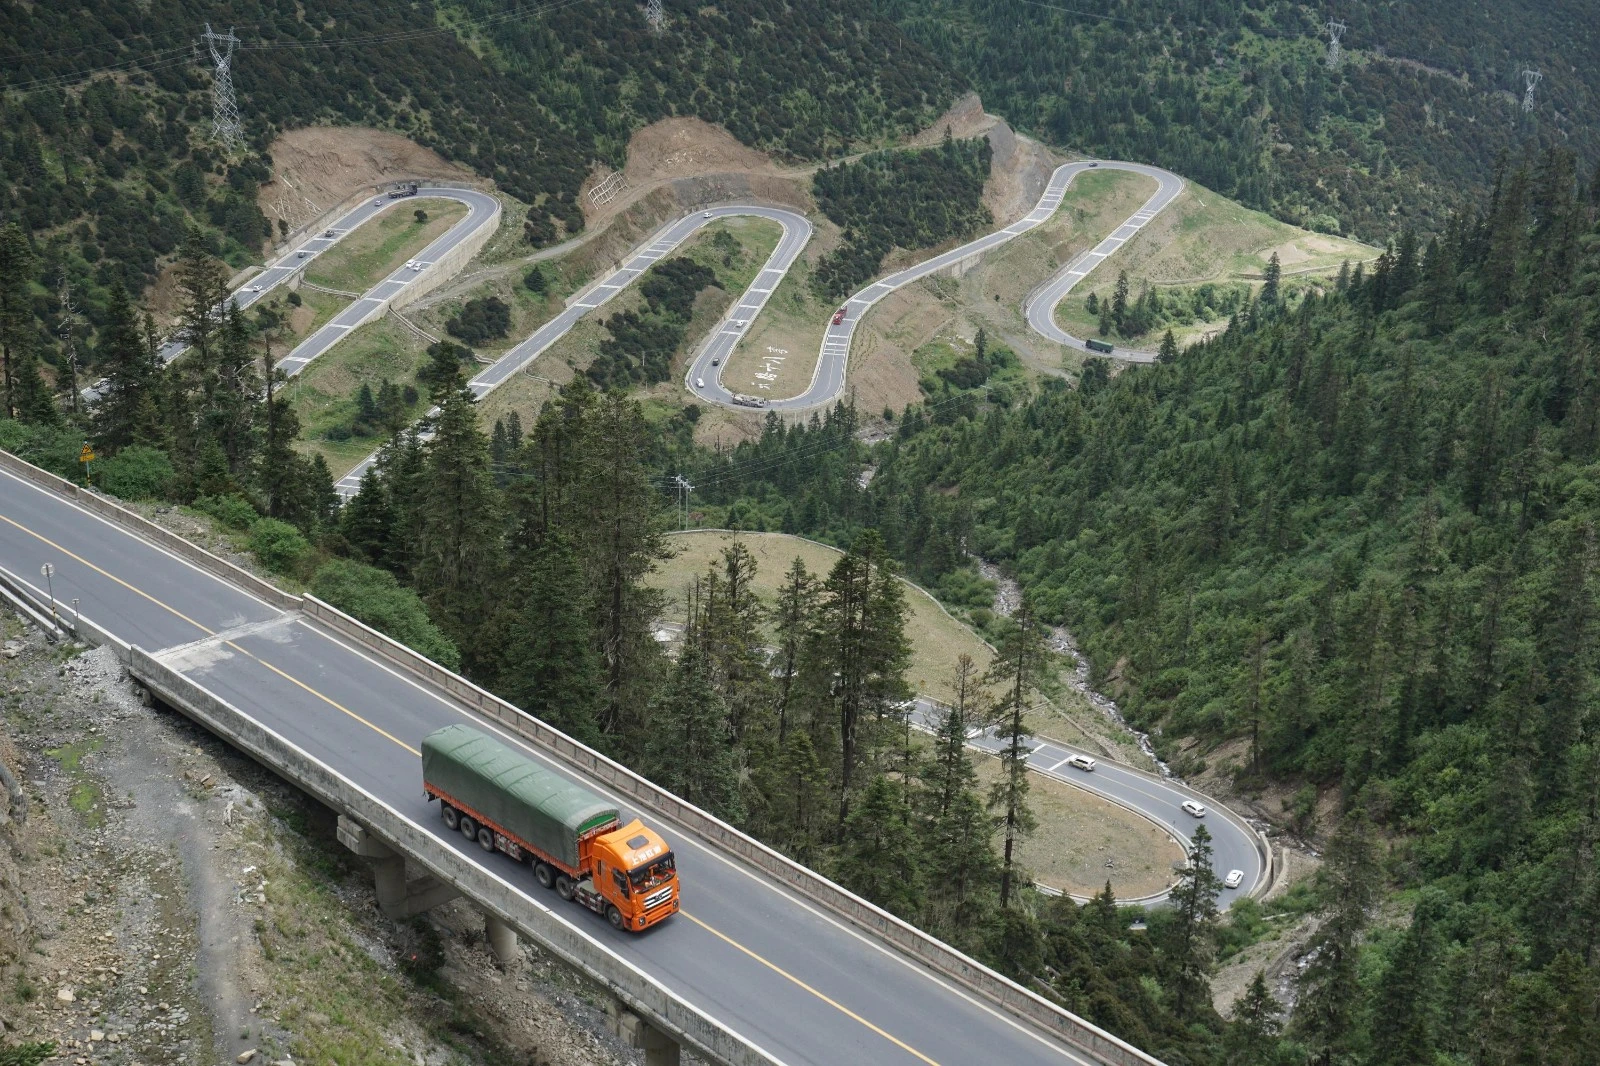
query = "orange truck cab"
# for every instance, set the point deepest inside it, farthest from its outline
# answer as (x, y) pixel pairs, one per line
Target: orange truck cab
(631, 876)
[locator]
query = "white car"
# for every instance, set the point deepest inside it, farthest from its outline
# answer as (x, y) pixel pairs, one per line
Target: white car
(706, 215)
(418, 266)
(1081, 762)
(377, 203)
(1234, 879)
(699, 383)
(1196, 809)
(252, 288)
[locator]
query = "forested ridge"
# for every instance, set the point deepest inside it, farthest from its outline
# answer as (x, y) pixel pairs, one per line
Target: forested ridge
(1236, 94)
(1350, 543)
(106, 172)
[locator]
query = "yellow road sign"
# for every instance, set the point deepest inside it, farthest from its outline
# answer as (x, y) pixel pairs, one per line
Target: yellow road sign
(87, 455)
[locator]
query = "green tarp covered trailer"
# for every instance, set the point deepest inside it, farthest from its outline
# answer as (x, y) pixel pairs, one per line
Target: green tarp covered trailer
(538, 805)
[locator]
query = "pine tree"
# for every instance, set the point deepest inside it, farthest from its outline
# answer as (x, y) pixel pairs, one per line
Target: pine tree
(126, 412)
(1271, 277)
(880, 853)
(1404, 1000)
(1021, 667)
(1194, 917)
(202, 289)
(368, 520)
(1252, 1038)
(458, 539)
(791, 621)
(549, 661)
(1119, 299)
(1169, 349)
(30, 396)
(689, 748)
(16, 310)
(1325, 1016)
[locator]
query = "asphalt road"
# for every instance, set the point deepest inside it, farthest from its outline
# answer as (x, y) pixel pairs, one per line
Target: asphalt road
(1158, 799)
(774, 969)
(828, 377)
(796, 233)
(480, 212)
(1040, 307)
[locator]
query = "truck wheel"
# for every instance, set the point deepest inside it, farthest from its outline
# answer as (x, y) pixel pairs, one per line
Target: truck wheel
(544, 874)
(452, 817)
(614, 916)
(486, 838)
(564, 887)
(468, 827)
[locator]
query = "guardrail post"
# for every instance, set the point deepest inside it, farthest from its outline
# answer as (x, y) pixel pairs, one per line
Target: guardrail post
(659, 1048)
(502, 941)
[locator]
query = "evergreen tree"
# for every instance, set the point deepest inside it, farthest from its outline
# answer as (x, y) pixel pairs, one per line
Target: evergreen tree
(1021, 667)
(792, 620)
(1169, 348)
(1194, 917)
(368, 521)
(1404, 1000)
(1271, 277)
(458, 538)
(1119, 299)
(689, 747)
(880, 854)
(1325, 1017)
(1252, 1038)
(126, 412)
(202, 290)
(16, 310)
(30, 396)
(549, 661)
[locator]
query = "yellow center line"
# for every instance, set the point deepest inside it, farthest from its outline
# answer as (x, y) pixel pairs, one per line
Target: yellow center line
(774, 967)
(105, 574)
(835, 1004)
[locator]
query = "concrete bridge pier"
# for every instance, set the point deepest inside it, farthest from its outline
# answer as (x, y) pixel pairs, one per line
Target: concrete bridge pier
(659, 1048)
(398, 896)
(502, 941)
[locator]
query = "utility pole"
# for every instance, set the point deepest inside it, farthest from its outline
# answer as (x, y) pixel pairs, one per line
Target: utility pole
(684, 488)
(1335, 30)
(224, 108)
(654, 15)
(69, 315)
(1531, 78)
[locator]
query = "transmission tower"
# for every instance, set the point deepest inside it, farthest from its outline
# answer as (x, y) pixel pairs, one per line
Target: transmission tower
(654, 15)
(1532, 78)
(224, 108)
(684, 488)
(1335, 30)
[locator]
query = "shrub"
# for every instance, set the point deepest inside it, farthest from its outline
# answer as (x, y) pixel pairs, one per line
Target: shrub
(278, 545)
(535, 280)
(376, 598)
(485, 319)
(137, 472)
(233, 511)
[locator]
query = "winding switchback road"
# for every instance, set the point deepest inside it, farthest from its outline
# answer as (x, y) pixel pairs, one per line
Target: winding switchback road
(828, 377)
(1235, 844)
(796, 233)
(1040, 307)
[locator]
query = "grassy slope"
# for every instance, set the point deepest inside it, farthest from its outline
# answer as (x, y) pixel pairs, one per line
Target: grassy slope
(526, 392)
(1078, 833)
(377, 249)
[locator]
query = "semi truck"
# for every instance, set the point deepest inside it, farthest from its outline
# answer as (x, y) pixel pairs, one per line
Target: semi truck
(573, 839)
(1098, 346)
(401, 189)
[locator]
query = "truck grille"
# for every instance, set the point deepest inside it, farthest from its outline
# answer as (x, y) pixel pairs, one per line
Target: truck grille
(656, 899)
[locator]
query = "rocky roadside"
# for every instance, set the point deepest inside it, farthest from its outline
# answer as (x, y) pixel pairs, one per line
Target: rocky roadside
(166, 902)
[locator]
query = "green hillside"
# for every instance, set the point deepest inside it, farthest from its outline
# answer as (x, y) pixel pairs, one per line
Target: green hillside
(1348, 546)
(1236, 95)
(105, 140)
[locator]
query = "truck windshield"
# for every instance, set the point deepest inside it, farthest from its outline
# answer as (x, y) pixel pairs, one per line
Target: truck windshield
(652, 873)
